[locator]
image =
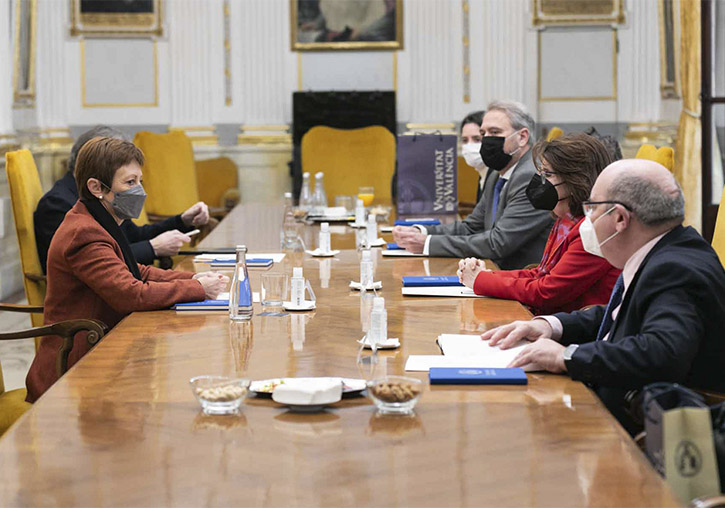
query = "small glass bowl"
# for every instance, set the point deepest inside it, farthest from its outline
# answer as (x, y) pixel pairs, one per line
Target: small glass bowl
(395, 394)
(219, 395)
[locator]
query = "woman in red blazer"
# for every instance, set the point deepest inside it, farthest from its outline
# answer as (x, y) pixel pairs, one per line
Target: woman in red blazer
(568, 277)
(92, 273)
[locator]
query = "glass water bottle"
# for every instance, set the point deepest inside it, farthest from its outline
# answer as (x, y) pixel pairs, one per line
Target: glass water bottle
(240, 294)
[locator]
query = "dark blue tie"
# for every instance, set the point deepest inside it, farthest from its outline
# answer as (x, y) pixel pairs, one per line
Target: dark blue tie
(614, 300)
(496, 194)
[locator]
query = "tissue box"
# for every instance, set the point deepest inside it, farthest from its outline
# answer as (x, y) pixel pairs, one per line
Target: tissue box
(308, 391)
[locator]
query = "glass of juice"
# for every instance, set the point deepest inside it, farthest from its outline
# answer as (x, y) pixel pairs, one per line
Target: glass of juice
(367, 194)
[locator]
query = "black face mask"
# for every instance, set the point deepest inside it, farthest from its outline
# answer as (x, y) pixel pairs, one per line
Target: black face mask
(542, 193)
(493, 154)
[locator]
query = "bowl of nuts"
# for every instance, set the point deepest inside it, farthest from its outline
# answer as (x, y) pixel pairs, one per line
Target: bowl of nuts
(395, 394)
(219, 395)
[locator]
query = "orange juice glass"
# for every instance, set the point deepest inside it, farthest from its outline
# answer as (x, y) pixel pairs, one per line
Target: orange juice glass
(367, 194)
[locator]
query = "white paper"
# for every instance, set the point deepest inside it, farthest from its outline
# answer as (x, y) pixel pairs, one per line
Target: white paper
(402, 253)
(423, 363)
(206, 258)
(225, 296)
(386, 229)
(472, 345)
(455, 291)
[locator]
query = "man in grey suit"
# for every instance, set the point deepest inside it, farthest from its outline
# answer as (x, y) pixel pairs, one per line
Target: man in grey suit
(503, 226)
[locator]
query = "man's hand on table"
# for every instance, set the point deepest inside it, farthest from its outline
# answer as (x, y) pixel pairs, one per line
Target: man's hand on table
(544, 353)
(409, 238)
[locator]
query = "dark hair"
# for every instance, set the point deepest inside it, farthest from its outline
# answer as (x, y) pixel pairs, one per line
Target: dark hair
(99, 131)
(609, 142)
(475, 117)
(100, 158)
(578, 159)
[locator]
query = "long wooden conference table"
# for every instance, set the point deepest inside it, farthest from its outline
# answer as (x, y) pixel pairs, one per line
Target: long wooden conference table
(122, 427)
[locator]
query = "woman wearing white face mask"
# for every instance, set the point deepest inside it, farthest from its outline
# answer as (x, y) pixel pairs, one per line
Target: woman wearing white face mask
(92, 272)
(570, 276)
(471, 146)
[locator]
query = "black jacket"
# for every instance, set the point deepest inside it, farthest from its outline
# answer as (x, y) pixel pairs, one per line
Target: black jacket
(670, 326)
(53, 206)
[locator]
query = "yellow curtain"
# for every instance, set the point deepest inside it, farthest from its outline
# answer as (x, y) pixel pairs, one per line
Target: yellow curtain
(688, 158)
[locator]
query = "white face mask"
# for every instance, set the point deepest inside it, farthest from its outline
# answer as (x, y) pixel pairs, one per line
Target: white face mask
(472, 153)
(589, 237)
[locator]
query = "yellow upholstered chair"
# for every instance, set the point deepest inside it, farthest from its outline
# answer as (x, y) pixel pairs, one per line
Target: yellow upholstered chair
(718, 238)
(170, 175)
(218, 182)
(554, 133)
(664, 155)
(467, 187)
(351, 158)
(12, 405)
(25, 192)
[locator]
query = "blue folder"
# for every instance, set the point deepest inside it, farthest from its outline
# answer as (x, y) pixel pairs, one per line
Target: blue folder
(431, 281)
(468, 376)
(394, 246)
(245, 298)
(428, 222)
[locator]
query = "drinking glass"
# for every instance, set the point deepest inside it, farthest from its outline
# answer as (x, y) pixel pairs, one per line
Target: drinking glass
(346, 202)
(367, 194)
(274, 289)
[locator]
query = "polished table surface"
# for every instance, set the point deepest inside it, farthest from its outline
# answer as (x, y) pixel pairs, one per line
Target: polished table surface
(122, 427)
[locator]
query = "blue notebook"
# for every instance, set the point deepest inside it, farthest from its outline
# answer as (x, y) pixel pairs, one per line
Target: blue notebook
(422, 222)
(394, 246)
(431, 281)
(245, 298)
(468, 376)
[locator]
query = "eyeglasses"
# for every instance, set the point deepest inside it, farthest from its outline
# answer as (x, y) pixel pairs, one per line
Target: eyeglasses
(590, 206)
(543, 173)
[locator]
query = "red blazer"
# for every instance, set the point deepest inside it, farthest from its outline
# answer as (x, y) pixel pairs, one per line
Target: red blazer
(578, 279)
(88, 279)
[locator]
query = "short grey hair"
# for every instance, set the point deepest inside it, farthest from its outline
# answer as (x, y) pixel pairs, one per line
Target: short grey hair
(517, 114)
(652, 204)
(99, 131)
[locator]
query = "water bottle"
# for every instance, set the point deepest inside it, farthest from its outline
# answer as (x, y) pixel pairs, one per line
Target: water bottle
(305, 194)
(297, 293)
(378, 323)
(319, 198)
(366, 270)
(324, 239)
(289, 225)
(372, 230)
(240, 294)
(359, 213)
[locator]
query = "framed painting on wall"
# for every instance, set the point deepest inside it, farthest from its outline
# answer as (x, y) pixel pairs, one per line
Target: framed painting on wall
(126, 18)
(349, 25)
(576, 12)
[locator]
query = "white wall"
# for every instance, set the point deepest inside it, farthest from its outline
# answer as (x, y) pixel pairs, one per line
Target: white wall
(428, 73)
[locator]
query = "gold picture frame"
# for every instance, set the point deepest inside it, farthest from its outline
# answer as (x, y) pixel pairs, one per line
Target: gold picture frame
(99, 18)
(577, 12)
(669, 49)
(24, 54)
(381, 25)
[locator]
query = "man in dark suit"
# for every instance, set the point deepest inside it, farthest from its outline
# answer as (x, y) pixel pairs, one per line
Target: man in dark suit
(666, 315)
(147, 242)
(504, 226)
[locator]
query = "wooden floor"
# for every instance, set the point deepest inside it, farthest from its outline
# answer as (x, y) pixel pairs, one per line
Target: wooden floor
(122, 427)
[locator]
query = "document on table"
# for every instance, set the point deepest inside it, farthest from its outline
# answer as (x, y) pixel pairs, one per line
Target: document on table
(455, 291)
(466, 351)
(208, 258)
(402, 253)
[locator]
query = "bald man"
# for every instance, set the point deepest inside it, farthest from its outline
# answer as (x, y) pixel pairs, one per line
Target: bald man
(666, 316)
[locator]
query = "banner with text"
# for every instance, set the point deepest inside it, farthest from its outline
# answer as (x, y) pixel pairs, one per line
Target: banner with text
(427, 174)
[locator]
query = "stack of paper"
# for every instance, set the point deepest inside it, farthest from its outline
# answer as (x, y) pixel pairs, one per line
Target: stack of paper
(431, 281)
(465, 351)
(228, 260)
(221, 303)
(455, 291)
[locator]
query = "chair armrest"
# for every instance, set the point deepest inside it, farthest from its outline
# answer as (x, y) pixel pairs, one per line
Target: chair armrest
(218, 212)
(35, 277)
(16, 307)
(66, 330)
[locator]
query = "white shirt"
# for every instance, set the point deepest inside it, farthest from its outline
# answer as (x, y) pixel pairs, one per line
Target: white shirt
(630, 270)
(505, 176)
